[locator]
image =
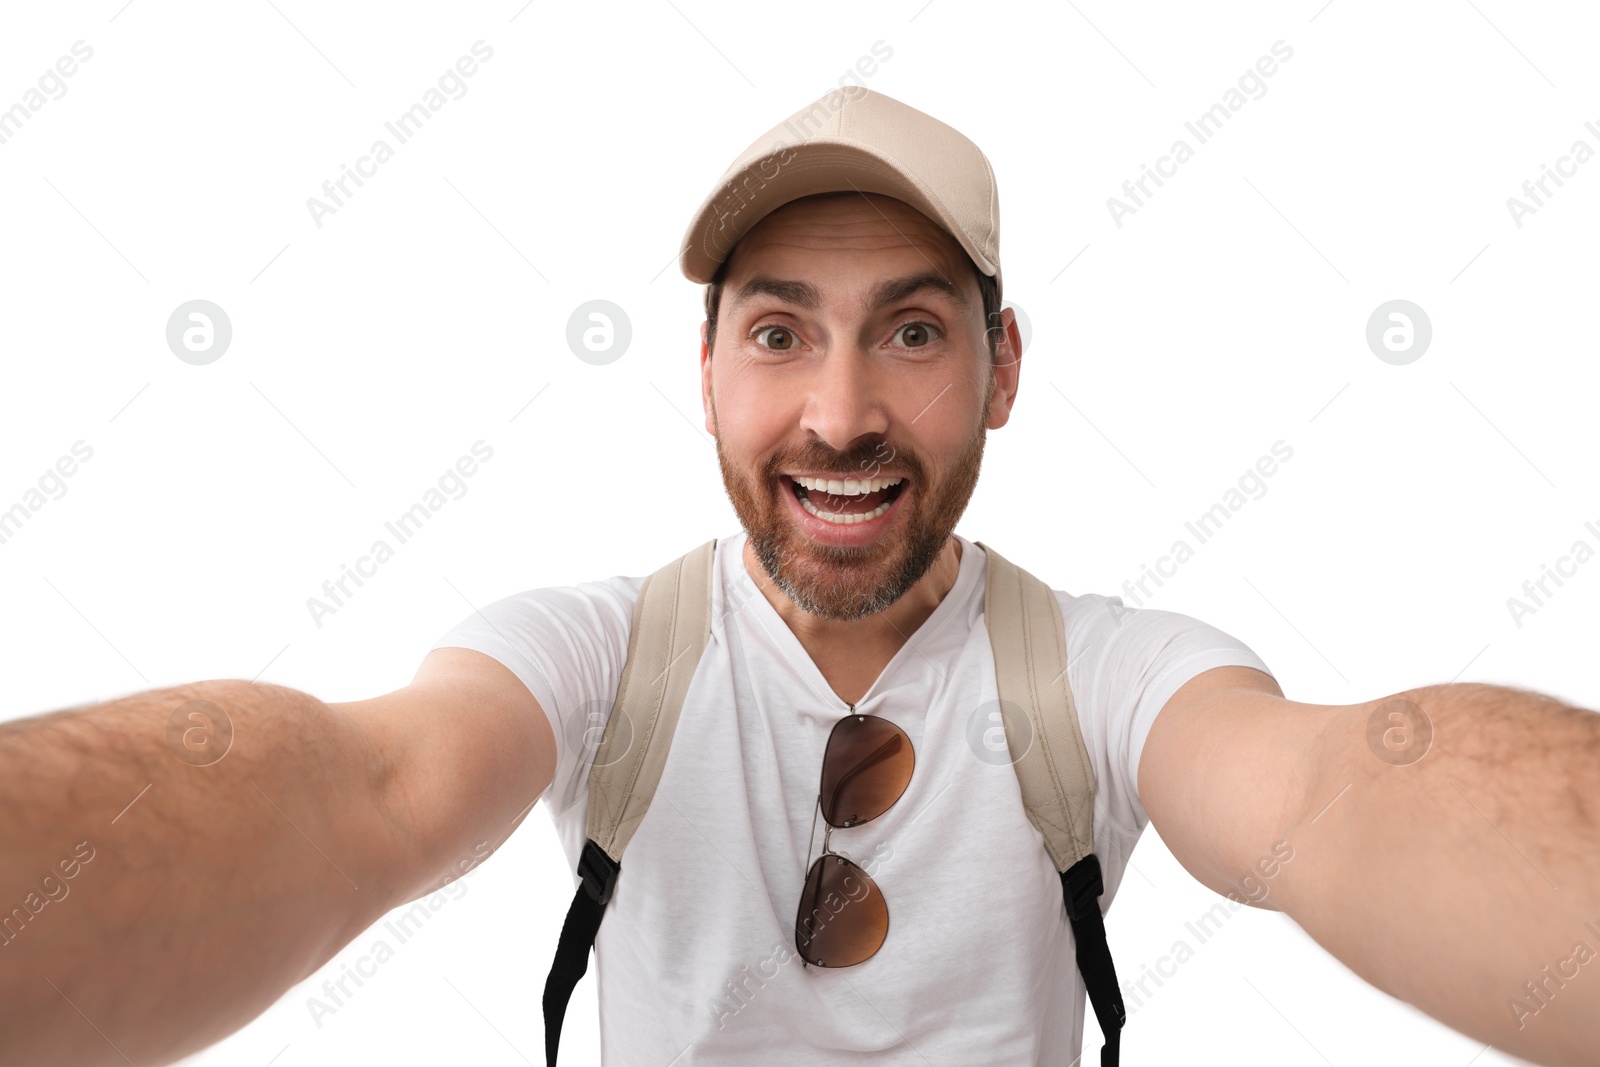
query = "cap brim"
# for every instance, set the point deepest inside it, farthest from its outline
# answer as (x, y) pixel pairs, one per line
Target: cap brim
(762, 186)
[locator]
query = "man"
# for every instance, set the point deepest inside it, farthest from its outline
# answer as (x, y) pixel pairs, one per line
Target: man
(853, 335)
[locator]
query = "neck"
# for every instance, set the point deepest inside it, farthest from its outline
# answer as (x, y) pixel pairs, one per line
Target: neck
(874, 639)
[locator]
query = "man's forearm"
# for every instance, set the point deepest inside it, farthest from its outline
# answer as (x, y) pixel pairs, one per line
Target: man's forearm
(156, 891)
(1451, 856)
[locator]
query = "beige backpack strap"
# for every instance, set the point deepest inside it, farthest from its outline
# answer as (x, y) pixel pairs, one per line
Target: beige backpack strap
(1030, 668)
(1030, 660)
(671, 628)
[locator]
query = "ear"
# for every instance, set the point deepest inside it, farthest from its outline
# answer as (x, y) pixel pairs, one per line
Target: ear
(1007, 368)
(705, 381)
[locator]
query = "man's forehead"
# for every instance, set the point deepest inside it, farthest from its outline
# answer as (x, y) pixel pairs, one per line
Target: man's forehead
(844, 220)
(786, 254)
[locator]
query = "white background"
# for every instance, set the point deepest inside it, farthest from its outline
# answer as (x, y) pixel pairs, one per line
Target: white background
(368, 354)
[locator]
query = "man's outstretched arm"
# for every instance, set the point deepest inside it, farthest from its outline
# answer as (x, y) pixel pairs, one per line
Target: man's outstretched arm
(1444, 843)
(152, 902)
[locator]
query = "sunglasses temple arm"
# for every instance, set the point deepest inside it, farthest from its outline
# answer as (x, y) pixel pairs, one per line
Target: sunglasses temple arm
(813, 834)
(809, 838)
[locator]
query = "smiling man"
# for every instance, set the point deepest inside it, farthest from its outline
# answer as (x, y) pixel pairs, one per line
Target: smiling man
(990, 749)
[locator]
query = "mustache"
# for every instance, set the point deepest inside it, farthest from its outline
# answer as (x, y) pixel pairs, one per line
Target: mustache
(871, 459)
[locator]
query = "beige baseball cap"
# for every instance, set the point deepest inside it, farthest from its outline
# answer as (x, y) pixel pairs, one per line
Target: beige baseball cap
(852, 138)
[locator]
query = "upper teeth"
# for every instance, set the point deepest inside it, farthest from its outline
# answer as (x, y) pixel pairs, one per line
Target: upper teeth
(847, 487)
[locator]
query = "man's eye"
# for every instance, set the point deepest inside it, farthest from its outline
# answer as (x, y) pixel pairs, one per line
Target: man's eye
(779, 339)
(917, 334)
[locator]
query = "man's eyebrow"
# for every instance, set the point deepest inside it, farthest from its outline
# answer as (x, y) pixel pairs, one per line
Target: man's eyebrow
(803, 294)
(898, 289)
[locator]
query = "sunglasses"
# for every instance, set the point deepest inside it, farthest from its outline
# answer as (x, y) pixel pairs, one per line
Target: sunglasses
(842, 919)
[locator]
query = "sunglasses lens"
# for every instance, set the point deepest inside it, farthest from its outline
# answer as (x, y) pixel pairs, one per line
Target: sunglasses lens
(866, 767)
(843, 918)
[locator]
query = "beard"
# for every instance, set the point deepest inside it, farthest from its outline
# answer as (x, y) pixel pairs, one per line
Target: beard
(847, 583)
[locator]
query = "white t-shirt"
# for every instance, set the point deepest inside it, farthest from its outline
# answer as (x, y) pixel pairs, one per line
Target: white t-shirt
(696, 955)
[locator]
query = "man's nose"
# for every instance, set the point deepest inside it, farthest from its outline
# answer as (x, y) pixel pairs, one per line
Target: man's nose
(845, 397)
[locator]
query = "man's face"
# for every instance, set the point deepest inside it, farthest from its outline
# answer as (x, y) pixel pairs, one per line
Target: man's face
(851, 346)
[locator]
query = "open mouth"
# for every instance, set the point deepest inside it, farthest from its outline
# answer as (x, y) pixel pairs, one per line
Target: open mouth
(845, 501)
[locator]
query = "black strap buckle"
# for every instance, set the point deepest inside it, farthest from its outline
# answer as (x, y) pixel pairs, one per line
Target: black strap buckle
(598, 871)
(1084, 886)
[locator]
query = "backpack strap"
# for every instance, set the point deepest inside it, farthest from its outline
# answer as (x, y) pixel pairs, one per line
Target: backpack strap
(670, 630)
(1057, 781)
